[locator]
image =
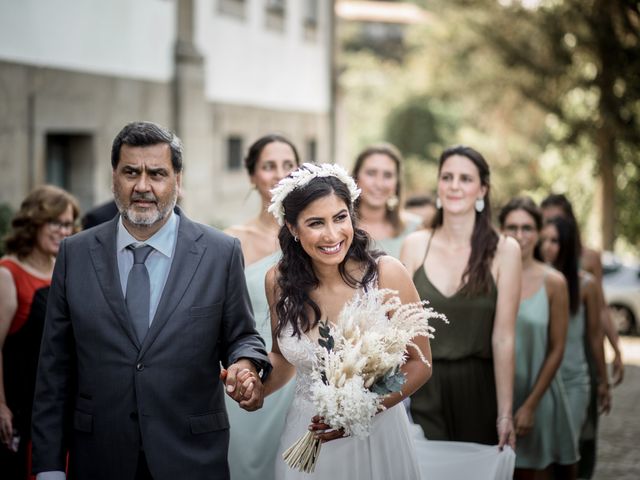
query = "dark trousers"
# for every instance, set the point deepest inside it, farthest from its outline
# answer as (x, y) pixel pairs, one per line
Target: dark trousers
(142, 472)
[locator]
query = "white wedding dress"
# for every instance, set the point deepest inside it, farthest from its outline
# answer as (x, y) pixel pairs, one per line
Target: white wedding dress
(387, 453)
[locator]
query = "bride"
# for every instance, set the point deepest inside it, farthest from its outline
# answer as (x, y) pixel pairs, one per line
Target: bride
(325, 262)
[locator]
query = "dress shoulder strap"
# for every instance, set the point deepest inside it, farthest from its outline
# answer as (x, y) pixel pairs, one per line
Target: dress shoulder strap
(426, 252)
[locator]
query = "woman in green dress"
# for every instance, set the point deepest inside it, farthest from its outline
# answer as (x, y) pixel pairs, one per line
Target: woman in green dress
(555, 205)
(253, 444)
(472, 275)
(378, 173)
(542, 418)
(560, 248)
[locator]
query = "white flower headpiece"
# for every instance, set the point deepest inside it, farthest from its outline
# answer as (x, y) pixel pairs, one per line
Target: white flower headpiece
(301, 177)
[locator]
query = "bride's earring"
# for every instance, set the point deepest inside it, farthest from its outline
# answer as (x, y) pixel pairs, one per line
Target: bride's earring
(438, 203)
(392, 202)
(479, 205)
(295, 238)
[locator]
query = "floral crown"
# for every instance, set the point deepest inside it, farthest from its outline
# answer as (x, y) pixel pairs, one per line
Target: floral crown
(301, 177)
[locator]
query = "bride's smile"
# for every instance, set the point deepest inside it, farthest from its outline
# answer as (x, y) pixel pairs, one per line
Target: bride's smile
(325, 230)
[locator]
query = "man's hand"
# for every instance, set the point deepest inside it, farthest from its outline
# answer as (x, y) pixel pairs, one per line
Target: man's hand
(243, 384)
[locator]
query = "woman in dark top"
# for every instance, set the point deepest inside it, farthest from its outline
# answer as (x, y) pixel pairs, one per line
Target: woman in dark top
(46, 216)
(472, 275)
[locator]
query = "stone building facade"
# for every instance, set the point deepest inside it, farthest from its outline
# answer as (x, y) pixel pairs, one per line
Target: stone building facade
(219, 72)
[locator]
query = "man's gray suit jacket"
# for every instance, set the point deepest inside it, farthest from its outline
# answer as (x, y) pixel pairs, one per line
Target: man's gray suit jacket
(102, 396)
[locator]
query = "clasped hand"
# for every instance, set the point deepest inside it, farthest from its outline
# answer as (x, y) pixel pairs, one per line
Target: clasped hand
(243, 385)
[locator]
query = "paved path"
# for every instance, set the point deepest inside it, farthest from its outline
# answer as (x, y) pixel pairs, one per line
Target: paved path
(619, 435)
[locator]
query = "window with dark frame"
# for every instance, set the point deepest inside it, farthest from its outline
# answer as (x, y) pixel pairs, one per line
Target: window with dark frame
(276, 6)
(234, 152)
(275, 13)
(312, 150)
(311, 13)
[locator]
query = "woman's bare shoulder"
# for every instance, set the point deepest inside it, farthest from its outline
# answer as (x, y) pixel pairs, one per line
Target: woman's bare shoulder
(415, 243)
(507, 248)
(389, 264)
(272, 275)
(391, 271)
(271, 283)
(238, 231)
(553, 278)
(418, 237)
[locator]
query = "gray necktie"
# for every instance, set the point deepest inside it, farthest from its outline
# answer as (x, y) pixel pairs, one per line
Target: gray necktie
(139, 291)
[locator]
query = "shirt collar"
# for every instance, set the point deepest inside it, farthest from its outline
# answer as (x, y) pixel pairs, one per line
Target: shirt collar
(163, 240)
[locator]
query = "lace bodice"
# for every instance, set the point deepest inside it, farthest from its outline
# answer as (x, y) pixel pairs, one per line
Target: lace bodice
(299, 352)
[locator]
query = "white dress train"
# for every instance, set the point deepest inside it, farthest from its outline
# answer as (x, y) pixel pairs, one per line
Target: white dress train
(441, 460)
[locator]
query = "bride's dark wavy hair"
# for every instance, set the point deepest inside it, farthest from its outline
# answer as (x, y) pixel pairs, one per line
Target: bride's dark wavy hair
(296, 277)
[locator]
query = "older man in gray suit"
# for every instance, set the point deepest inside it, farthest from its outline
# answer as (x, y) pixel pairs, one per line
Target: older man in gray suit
(142, 311)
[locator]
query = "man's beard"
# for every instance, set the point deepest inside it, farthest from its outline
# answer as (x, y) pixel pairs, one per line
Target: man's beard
(150, 216)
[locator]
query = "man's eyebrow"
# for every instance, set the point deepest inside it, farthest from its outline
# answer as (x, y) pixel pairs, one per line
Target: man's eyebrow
(156, 169)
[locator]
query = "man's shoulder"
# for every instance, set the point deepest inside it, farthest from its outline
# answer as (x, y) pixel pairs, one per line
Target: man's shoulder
(88, 236)
(210, 235)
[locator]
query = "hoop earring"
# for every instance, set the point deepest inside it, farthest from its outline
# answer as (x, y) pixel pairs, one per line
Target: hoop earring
(392, 202)
(438, 203)
(479, 205)
(295, 238)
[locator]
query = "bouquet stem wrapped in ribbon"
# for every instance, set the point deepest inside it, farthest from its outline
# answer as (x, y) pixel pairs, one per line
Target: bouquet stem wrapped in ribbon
(358, 364)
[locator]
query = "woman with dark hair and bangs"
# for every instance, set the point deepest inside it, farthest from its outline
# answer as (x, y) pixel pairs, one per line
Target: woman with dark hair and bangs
(325, 262)
(560, 248)
(472, 275)
(46, 216)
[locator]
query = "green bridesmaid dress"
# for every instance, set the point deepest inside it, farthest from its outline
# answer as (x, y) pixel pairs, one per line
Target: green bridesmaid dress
(391, 246)
(255, 435)
(551, 439)
(575, 372)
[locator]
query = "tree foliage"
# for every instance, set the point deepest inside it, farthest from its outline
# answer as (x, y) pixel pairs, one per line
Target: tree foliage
(548, 90)
(579, 61)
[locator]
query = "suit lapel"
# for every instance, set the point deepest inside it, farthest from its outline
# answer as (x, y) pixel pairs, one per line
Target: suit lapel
(186, 259)
(105, 263)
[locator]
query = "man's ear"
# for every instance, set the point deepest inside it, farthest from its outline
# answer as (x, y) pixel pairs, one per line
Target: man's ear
(179, 184)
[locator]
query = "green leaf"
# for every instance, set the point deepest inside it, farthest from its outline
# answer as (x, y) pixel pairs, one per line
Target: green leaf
(326, 340)
(391, 382)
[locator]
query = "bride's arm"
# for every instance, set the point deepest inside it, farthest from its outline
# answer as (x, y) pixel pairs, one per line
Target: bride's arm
(282, 370)
(394, 276)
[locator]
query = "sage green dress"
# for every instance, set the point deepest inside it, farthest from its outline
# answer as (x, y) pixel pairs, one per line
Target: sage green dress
(551, 439)
(254, 436)
(459, 402)
(391, 246)
(575, 372)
